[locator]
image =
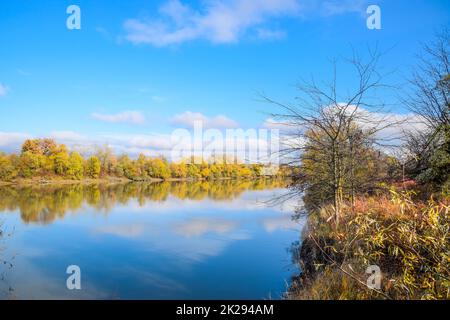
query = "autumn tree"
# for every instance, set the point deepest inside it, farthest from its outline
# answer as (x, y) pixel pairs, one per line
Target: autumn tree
(93, 167)
(179, 170)
(35, 157)
(107, 159)
(39, 146)
(140, 165)
(126, 168)
(205, 171)
(158, 168)
(29, 164)
(193, 171)
(60, 159)
(76, 166)
(8, 171)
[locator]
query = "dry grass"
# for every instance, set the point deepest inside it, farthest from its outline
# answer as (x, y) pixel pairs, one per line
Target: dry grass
(409, 240)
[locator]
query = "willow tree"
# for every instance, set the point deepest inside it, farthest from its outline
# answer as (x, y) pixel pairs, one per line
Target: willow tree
(332, 132)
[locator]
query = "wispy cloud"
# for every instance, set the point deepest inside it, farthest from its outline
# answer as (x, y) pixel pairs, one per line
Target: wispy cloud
(12, 139)
(280, 222)
(223, 21)
(67, 136)
(132, 117)
(188, 119)
(123, 231)
(217, 21)
(3, 90)
(281, 125)
(199, 226)
(132, 144)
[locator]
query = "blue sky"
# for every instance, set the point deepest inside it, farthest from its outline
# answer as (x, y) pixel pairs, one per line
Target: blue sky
(138, 69)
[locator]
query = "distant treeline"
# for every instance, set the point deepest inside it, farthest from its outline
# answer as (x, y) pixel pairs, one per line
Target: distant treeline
(44, 158)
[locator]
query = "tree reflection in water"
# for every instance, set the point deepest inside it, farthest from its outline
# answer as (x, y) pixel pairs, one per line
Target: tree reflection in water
(45, 203)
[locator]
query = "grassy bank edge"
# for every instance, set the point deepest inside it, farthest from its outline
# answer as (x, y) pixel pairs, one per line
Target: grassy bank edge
(415, 263)
(56, 181)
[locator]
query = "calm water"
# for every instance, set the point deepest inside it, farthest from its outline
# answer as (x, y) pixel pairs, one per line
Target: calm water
(147, 241)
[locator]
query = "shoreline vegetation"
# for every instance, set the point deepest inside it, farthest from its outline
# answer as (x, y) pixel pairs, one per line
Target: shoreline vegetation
(110, 180)
(404, 237)
(43, 161)
(378, 223)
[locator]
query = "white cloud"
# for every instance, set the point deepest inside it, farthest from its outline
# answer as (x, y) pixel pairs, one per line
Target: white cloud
(133, 117)
(281, 125)
(151, 145)
(67, 136)
(222, 21)
(199, 226)
(391, 127)
(141, 141)
(188, 119)
(12, 139)
(218, 22)
(124, 231)
(280, 223)
(131, 144)
(3, 90)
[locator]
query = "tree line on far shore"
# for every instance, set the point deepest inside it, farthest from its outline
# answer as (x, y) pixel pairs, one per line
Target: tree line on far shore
(44, 158)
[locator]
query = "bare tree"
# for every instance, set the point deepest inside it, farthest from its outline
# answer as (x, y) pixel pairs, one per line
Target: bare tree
(430, 95)
(429, 99)
(336, 130)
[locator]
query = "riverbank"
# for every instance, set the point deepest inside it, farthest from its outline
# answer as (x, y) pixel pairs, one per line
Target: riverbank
(62, 181)
(41, 181)
(403, 239)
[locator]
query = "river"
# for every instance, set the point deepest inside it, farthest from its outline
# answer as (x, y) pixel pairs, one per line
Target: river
(184, 240)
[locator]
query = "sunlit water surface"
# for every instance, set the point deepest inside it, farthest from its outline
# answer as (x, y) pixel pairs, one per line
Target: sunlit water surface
(199, 240)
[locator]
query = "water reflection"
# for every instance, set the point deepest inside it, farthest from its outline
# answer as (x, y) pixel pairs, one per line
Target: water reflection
(6, 263)
(45, 203)
(197, 240)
